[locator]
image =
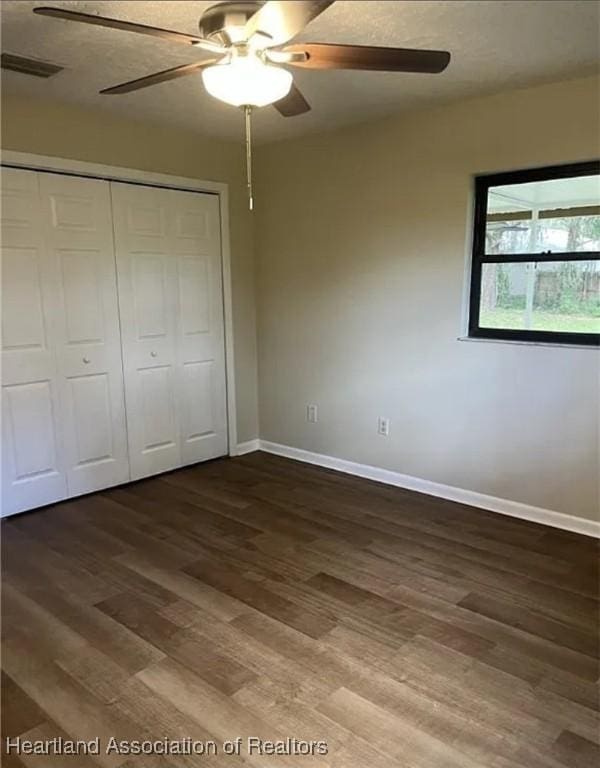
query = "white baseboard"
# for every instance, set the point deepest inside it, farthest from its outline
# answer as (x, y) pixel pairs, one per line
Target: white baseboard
(248, 447)
(471, 498)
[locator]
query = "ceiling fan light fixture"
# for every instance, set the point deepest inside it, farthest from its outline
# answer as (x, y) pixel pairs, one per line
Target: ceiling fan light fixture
(246, 80)
(253, 38)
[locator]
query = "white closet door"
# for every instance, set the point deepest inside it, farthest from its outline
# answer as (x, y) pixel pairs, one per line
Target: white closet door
(170, 295)
(195, 240)
(77, 223)
(147, 279)
(33, 467)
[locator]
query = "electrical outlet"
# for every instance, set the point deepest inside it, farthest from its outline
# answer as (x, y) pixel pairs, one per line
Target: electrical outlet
(312, 413)
(383, 426)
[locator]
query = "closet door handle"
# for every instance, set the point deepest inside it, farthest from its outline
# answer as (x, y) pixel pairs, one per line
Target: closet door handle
(153, 354)
(86, 360)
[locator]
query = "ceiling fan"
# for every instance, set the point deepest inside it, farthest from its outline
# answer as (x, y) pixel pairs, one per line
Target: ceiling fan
(250, 43)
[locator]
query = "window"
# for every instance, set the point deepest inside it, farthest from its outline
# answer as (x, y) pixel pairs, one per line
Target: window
(536, 255)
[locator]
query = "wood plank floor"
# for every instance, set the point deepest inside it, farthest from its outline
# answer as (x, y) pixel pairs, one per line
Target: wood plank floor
(262, 597)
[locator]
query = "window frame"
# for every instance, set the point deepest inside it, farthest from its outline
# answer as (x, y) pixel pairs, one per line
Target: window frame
(479, 257)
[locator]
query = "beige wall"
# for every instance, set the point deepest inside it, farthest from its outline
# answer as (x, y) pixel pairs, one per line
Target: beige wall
(361, 242)
(67, 131)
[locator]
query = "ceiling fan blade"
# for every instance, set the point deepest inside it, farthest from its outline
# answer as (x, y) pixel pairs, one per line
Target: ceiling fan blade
(126, 26)
(293, 104)
(280, 20)
(159, 77)
(331, 56)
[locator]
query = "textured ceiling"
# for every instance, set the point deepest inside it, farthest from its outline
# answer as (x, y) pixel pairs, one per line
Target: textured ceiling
(494, 45)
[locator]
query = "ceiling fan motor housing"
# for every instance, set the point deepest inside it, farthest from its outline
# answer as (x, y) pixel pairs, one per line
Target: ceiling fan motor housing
(220, 22)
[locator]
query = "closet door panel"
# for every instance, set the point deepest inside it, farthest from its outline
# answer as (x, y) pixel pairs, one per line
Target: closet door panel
(90, 397)
(157, 408)
(196, 245)
(170, 293)
(78, 229)
(147, 294)
(33, 469)
(198, 388)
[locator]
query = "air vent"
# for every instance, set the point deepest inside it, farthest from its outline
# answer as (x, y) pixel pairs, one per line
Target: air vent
(28, 66)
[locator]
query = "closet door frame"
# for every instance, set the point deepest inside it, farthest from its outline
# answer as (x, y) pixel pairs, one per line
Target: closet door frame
(32, 162)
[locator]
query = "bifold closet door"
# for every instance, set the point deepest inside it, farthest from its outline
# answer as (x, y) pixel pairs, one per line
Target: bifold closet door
(170, 296)
(64, 428)
(33, 462)
(77, 221)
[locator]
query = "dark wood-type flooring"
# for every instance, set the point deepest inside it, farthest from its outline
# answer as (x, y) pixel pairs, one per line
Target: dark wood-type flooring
(259, 596)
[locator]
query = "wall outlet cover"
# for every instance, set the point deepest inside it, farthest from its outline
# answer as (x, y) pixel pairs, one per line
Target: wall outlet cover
(383, 426)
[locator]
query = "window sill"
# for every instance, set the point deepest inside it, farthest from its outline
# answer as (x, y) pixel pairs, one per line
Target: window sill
(483, 340)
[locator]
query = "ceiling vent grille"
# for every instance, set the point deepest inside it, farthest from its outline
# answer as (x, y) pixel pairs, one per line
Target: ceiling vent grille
(28, 66)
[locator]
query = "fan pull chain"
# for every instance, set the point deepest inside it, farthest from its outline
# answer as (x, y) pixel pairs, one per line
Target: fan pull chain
(248, 114)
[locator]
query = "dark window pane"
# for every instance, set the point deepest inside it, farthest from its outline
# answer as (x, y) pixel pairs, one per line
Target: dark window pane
(544, 296)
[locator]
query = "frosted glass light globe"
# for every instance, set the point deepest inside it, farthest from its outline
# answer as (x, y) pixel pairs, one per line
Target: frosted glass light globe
(247, 80)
